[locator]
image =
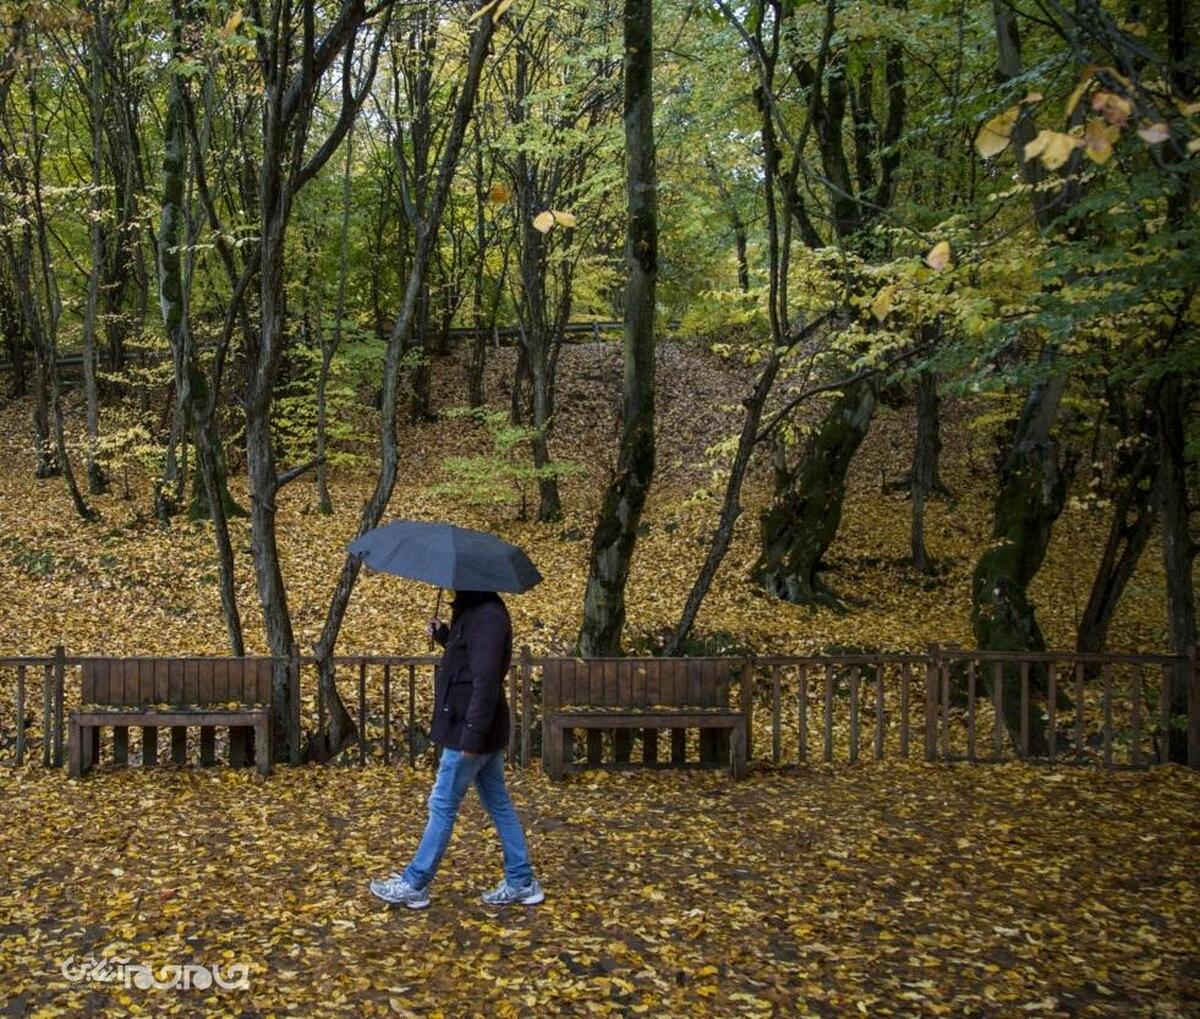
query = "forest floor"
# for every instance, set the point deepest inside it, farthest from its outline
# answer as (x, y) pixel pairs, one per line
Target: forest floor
(888, 888)
(882, 890)
(126, 586)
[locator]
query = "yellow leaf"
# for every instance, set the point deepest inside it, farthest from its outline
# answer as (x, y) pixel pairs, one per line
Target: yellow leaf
(1053, 147)
(499, 193)
(1084, 81)
(482, 11)
(883, 302)
(231, 26)
(939, 256)
(1098, 140)
(1112, 107)
(543, 221)
(563, 218)
(994, 136)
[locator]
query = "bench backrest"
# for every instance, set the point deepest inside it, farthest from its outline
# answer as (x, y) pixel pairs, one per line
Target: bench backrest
(637, 682)
(129, 682)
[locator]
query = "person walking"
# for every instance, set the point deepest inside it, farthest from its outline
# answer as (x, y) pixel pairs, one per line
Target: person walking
(471, 724)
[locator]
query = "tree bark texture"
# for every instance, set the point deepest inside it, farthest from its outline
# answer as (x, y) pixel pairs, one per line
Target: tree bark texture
(802, 522)
(615, 535)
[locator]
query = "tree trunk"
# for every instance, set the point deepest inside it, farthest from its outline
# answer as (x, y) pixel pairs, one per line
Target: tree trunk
(1134, 511)
(21, 261)
(53, 311)
(324, 502)
(1033, 488)
(195, 399)
(801, 524)
(341, 730)
(14, 339)
(478, 359)
(260, 451)
(549, 502)
(615, 535)
(421, 406)
(739, 240)
(1179, 550)
(924, 479)
(731, 507)
(211, 470)
(519, 409)
(97, 482)
(171, 276)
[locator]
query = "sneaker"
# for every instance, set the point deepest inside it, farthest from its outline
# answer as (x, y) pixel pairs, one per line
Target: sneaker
(505, 893)
(398, 892)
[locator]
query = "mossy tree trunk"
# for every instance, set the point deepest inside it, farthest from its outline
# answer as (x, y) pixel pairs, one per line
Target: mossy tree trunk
(615, 535)
(1033, 488)
(802, 521)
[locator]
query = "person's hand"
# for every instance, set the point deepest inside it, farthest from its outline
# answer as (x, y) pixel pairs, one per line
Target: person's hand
(435, 629)
(467, 753)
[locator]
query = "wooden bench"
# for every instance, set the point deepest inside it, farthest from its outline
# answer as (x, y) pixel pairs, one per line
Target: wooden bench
(175, 693)
(626, 695)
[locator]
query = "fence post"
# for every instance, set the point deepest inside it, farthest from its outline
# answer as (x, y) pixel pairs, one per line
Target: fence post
(1193, 708)
(293, 741)
(747, 698)
(20, 714)
(47, 711)
(931, 691)
(59, 669)
(526, 706)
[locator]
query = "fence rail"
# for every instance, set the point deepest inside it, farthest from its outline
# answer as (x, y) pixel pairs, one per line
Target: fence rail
(499, 335)
(943, 704)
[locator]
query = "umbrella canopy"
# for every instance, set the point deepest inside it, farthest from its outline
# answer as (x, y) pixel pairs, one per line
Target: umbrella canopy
(446, 555)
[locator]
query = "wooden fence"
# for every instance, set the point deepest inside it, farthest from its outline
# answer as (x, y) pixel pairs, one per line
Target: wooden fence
(942, 704)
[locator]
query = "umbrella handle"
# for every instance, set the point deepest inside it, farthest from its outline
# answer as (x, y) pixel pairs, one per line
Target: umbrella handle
(435, 615)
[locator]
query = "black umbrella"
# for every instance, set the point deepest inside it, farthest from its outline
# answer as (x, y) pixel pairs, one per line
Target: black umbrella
(446, 555)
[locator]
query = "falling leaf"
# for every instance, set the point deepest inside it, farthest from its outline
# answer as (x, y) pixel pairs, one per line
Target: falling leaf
(1112, 107)
(543, 221)
(938, 257)
(1098, 140)
(1152, 134)
(563, 218)
(499, 193)
(994, 136)
(1085, 80)
(1053, 147)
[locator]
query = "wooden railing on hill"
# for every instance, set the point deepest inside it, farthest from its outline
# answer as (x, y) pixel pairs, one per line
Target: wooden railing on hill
(499, 335)
(1117, 710)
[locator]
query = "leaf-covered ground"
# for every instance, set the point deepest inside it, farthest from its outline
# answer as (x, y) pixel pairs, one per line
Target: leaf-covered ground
(126, 586)
(900, 889)
(890, 888)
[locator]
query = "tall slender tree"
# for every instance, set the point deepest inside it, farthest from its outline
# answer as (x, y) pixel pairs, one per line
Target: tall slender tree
(615, 535)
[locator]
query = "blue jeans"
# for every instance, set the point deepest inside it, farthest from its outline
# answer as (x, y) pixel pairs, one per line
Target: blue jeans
(455, 775)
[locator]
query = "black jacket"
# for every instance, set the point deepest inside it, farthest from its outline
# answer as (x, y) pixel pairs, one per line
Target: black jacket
(470, 710)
